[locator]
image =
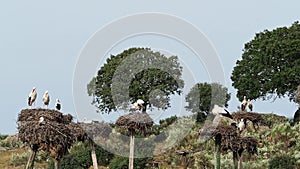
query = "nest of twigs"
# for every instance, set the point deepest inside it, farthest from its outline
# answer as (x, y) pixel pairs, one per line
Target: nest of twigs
(249, 144)
(55, 133)
(255, 118)
(97, 129)
(49, 115)
(136, 123)
(228, 138)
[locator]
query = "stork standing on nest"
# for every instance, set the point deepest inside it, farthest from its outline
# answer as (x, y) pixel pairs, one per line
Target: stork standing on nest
(242, 125)
(46, 99)
(134, 107)
(244, 104)
(250, 106)
(32, 96)
(57, 104)
(141, 105)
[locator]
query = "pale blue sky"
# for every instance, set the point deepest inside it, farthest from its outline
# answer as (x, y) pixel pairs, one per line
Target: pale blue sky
(41, 40)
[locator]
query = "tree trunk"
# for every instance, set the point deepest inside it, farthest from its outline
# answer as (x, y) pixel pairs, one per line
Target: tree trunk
(30, 163)
(235, 160)
(55, 164)
(93, 154)
(240, 165)
(131, 152)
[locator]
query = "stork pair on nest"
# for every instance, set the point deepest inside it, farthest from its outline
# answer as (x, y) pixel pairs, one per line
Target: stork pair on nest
(246, 103)
(46, 99)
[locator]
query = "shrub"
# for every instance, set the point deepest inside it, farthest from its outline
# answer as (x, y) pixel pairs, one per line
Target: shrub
(282, 162)
(19, 159)
(10, 141)
(80, 157)
(2, 137)
(122, 163)
(200, 117)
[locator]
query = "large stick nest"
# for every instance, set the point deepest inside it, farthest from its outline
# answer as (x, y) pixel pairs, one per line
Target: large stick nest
(136, 123)
(247, 143)
(255, 118)
(56, 133)
(228, 138)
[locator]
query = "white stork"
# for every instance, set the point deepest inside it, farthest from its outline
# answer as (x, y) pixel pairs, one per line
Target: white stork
(250, 106)
(134, 107)
(57, 104)
(141, 105)
(41, 120)
(32, 96)
(244, 104)
(46, 99)
(242, 125)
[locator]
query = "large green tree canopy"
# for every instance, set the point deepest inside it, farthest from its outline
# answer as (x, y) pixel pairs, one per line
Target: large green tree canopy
(270, 65)
(136, 73)
(203, 96)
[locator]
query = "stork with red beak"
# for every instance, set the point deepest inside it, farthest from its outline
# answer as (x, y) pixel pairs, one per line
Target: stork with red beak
(32, 96)
(46, 99)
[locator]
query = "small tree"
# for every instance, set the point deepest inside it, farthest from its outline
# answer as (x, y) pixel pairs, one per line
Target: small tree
(203, 96)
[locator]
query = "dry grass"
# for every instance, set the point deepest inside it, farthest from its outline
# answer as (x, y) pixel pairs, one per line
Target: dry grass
(5, 157)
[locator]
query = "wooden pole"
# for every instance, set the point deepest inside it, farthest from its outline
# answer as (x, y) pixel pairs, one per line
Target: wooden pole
(55, 164)
(131, 152)
(217, 151)
(240, 165)
(30, 163)
(93, 154)
(235, 159)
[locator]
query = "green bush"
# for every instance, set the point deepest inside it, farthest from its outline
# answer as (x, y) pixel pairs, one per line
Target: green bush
(10, 141)
(2, 137)
(122, 163)
(283, 162)
(80, 157)
(200, 117)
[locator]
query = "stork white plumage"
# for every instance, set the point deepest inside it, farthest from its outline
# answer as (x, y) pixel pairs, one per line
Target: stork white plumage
(141, 105)
(46, 99)
(32, 97)
(140, 101)
(134, 107)
(244, 104)
(249, 104)
(241, 125)
(57, 104)
(41, 120)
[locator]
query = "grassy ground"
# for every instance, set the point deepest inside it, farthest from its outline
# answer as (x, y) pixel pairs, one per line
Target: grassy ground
(5, 157)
